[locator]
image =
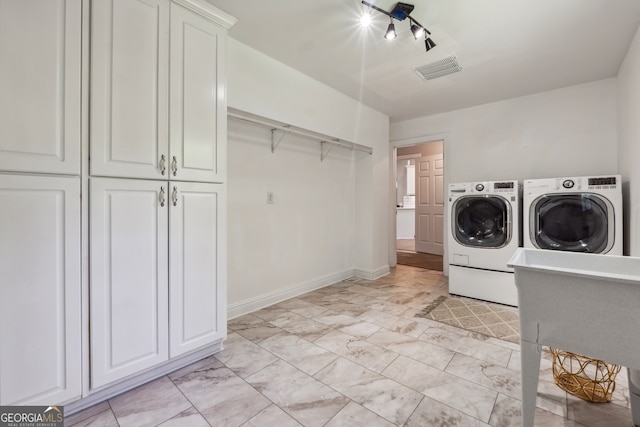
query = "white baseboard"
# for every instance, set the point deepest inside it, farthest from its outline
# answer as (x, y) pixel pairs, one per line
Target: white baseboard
(372, 274)
(249, 306)
(144, 377)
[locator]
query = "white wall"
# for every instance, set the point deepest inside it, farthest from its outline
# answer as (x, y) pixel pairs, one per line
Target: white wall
(423, 149)
(261, 85)
(374, 205)
(329, 217)
(629, 143)
(306, 236)
(570, 131)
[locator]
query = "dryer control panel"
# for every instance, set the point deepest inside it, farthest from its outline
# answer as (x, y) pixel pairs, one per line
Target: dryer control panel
(587, 183)
(606, 182)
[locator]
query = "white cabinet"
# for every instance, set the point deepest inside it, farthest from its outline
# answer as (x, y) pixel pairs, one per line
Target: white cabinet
(128, 72)
(197, 266)
(129, 88)
(142, 233)
(157, 143)
(133, 78)
(197, 92)
(40, 311)
(40, 83)
(40, 268)
(128, 277)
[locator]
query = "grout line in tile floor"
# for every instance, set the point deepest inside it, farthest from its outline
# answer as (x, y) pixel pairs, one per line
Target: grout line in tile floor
(352, 354)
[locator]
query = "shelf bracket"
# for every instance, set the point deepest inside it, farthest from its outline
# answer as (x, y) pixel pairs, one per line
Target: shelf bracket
(275, 144)
(323, 154)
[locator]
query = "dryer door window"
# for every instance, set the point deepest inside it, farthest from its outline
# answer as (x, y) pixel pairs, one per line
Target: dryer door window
(572, 222)
(482, 221)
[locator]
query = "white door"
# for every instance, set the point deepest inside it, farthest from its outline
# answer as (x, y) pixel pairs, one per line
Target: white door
(128, 276)
(129, 88)
(430, 205)
(40, 86)
(197, 113)
(40, 306)
(196, 266)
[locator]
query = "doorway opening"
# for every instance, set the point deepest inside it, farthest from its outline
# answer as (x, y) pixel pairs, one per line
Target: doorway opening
(420, 205)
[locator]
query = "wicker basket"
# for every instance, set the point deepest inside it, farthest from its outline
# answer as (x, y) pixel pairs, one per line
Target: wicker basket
(586, 378)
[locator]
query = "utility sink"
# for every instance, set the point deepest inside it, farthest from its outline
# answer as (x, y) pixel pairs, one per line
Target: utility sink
(587, 304)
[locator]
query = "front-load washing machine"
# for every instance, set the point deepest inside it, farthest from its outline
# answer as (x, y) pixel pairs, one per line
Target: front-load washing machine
(485, 232)
(576, 214)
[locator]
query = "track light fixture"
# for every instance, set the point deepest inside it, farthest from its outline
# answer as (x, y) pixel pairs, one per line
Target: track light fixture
(429, 44)
(401, 12)
(391, 31)
(418, 31)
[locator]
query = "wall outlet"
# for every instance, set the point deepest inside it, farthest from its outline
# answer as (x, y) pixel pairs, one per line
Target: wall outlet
(269, 198)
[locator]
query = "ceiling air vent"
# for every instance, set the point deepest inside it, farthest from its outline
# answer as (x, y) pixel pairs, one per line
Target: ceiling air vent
(442, 67)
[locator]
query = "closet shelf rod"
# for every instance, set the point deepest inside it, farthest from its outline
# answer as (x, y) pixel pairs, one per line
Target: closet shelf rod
(291, 129)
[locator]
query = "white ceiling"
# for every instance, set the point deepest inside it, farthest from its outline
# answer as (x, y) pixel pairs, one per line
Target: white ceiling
(508, 48)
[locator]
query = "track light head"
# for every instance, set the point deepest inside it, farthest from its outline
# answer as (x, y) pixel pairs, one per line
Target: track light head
(429, 44)
(418, 31)
(391, 31)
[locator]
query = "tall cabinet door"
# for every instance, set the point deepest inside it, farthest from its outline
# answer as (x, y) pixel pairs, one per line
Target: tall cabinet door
(40, 86)
(40, 316)
(197, 93)
(129, 289)
(129, 88)
(197, 266)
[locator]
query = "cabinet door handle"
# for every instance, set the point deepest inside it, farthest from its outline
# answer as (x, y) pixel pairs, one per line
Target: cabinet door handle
(174, 196)
(162, 198)
(174, 165)
(163, 164)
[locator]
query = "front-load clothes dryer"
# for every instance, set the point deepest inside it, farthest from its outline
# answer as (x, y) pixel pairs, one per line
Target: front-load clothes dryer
(485, 232)
(575, 214)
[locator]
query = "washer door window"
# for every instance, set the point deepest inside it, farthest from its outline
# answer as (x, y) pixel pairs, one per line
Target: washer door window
(482, 221)
(572, 222)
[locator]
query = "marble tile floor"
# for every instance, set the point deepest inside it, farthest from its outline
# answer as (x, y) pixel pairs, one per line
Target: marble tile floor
(353, 354)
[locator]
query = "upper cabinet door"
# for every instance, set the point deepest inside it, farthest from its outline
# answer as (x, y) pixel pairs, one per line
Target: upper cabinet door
(197, 92)
(40, 300)
(129, 88)
(40, 82)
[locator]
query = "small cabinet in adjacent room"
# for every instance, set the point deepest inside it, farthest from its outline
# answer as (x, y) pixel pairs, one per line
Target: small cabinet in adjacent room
(156, 273)
(40, 306)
